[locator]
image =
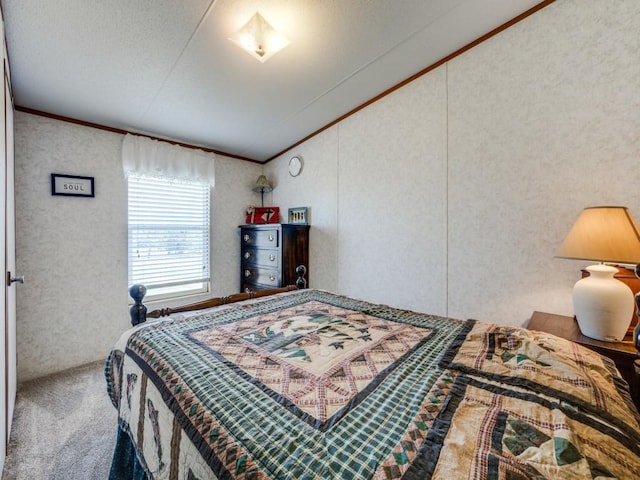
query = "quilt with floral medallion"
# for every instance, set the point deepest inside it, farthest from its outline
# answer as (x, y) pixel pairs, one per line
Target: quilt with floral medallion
(313, 385)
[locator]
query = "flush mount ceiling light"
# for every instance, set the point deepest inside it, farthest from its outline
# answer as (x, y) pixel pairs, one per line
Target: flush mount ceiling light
(259, 39)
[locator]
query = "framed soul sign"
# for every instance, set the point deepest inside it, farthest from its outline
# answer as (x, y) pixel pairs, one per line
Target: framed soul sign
(72, 185)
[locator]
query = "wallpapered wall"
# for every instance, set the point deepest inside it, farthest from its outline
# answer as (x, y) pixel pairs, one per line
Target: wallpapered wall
(73, 251)
(449, 196)
(452, 194)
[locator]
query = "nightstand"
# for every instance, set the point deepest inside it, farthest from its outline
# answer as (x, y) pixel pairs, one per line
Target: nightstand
(622, 353)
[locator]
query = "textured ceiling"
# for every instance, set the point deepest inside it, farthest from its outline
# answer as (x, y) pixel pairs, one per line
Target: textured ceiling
(166, 67)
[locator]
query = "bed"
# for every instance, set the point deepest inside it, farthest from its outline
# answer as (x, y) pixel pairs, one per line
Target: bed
(308, 384)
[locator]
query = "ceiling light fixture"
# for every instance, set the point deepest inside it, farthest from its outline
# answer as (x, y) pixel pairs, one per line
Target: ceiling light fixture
(259, 39)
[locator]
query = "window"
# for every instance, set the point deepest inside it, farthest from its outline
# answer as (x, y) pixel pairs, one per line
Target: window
(168, 236)
(169, 187)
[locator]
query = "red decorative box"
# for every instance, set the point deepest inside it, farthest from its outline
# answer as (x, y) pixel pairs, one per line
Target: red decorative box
(263, 215)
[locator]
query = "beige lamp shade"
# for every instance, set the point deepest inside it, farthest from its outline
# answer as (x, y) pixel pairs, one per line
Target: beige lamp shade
(603, 234)
(262, 185)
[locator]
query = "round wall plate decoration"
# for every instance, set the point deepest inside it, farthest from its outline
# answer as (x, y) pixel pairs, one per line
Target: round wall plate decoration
(295, 166)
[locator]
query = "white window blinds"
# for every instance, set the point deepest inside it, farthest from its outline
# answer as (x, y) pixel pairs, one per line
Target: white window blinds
(168, 207)
(168, 236)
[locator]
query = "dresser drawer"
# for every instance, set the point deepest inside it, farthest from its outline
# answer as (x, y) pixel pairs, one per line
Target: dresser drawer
(261, 238)
(261, 256)
(263, 276)
(253, 287)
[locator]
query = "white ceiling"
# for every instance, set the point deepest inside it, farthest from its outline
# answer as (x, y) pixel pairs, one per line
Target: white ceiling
(166, 67)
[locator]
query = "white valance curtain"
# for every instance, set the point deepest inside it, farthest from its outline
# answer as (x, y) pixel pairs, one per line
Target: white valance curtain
(145, 157)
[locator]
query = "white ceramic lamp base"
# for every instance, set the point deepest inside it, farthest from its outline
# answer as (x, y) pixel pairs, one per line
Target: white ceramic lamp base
(602, 304)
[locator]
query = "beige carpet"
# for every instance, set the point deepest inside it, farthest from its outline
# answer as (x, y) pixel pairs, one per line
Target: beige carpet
(64, 427)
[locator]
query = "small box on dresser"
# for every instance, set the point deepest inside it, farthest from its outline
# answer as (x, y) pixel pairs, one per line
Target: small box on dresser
(270, 254)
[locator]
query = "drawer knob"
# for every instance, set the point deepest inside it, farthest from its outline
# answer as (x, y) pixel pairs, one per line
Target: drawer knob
(247, 254)
(271, 238)
(272, 258)
(247, 273)
(272, 277)
(246, 237)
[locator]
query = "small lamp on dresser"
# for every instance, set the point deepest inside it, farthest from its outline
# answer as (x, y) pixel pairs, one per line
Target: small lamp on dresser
(603, 305)
(263, 186)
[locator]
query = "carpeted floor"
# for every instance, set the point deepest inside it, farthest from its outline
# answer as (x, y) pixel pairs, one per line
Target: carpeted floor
(64, 428)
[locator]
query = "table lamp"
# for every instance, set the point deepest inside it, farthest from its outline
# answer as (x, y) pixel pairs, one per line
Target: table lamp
(262, 186)
(603, 305)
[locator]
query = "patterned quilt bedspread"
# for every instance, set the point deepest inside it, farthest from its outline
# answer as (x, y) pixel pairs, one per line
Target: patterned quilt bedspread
(312, 385)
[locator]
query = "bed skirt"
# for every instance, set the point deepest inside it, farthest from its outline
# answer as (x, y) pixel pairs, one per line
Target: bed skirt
(125, 463)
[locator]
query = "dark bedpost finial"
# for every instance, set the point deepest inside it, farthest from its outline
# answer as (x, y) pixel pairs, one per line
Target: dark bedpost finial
(301, 282)
(138, 311)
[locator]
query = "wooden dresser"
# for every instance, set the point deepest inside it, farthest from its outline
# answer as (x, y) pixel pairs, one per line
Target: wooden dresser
(270, 254)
